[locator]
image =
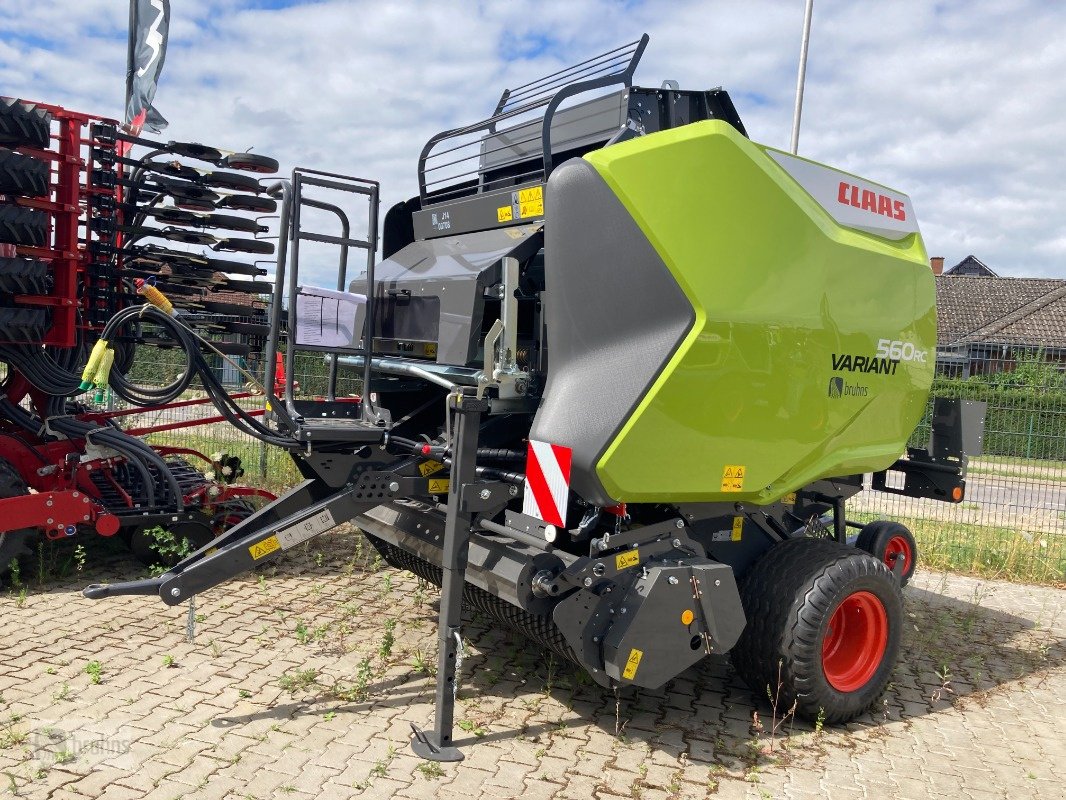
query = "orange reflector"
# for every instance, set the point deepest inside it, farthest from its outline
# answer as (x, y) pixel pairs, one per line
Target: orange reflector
(687, 616)
(956, 494)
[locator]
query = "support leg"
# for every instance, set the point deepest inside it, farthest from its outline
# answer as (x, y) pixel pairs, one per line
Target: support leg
(436, 745)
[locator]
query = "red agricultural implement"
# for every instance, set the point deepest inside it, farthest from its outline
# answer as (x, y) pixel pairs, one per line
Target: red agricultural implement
(87, 229)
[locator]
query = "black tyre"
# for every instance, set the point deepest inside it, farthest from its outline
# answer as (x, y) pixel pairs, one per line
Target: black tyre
(194, 204)
(22, 125)
(232, 180)
(186, 236)
(16, 544)
(24, 226)
(888, 541)
(201, 152)
(176, 216)
(249, 287)
(824, 629)
(27, 325)
(246, 246)
(23, 276)
(247, 328)
(23, 175)
(244, 202)
(234, 223)
(250, 162)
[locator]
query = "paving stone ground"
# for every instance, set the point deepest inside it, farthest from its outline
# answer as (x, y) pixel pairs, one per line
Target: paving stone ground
(302, 681)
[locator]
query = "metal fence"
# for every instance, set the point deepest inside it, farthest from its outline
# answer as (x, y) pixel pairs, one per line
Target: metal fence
(1012, 522)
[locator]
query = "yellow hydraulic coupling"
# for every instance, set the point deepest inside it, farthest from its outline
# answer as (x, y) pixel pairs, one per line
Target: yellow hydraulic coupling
(93, 364)
(151, 294)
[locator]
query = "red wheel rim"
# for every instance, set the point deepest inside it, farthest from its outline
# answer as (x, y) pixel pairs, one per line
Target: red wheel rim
(898, 547)
(855, 642)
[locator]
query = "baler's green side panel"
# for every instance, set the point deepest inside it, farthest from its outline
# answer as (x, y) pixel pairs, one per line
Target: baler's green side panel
(779, 290)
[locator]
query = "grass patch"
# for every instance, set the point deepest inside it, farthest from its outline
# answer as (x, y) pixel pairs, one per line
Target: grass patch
(986, 550)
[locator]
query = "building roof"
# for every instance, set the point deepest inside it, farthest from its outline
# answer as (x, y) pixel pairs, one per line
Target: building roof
(1021, 311)
(972, 265)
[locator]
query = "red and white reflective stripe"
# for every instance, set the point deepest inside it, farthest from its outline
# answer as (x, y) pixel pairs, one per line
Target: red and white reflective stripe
(547, 482)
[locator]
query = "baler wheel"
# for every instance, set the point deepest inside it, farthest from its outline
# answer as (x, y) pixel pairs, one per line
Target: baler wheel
(887, 541)
(23, 175)
(24, 226)
(13, 544)
(824, 624)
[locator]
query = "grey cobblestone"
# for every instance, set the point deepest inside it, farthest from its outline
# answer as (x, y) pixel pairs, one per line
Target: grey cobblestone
(219, 723)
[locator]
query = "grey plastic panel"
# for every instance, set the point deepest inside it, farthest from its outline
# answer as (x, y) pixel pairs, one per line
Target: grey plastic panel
(456, 270)
(592, 122)
(614, 317)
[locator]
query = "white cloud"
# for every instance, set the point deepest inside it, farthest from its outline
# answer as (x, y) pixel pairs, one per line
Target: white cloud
(958, 103)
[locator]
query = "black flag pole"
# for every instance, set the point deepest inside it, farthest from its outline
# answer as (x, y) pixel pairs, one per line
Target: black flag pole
(148, 31)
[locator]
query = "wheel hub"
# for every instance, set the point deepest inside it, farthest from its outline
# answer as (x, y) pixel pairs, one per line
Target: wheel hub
(855, 641)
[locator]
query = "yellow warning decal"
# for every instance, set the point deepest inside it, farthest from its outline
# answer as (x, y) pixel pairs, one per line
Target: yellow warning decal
(504, 214)
(789, 499)
(264, 548)
(632, 664)
(531, 202)
(628, 559)
(738, 528)
(733, 477)
(439, 486)
(429, 467)
(430, 349)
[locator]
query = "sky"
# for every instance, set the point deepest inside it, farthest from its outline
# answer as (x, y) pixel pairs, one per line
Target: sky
(957, 103)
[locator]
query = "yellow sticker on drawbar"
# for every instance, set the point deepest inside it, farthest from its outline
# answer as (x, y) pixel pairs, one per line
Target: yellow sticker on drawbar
(632, 664)
(628, 559)
(504, 214)
(439, 486)
(429, 467)
(264, 548)
(738, 528)
(789, 499)
(531, 202)
(733, 477)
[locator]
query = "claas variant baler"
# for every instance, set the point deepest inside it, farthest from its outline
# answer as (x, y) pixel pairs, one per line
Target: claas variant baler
(622, 368)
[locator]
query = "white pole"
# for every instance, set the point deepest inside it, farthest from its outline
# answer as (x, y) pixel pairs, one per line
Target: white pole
(802, 75)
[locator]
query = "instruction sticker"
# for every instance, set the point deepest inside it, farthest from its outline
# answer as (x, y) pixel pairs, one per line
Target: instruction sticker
(427, 468)
(628, 559)
(632, 664)
(733, 477)
(738, 529)
(504, 214)
(531, 202)
(302, 531)
(439, 486)
(264, 548)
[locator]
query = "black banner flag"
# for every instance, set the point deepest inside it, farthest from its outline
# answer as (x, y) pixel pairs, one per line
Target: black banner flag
(149, 25)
